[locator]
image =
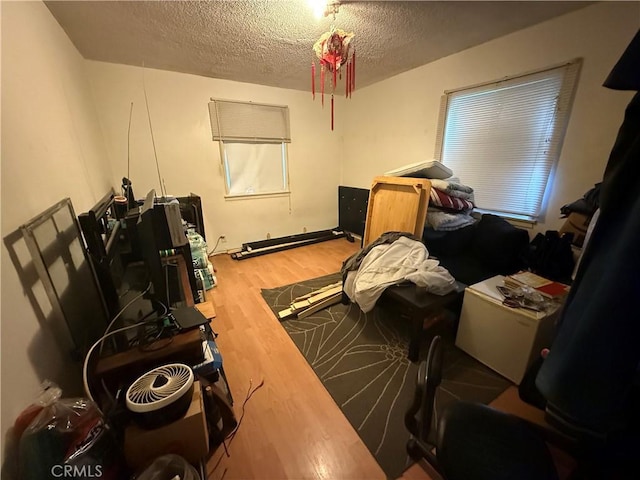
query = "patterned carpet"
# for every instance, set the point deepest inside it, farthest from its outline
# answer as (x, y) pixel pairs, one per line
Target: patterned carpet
(361, 359)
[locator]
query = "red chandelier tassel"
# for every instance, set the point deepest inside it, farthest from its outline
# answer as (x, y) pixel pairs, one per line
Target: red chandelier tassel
(313, 80)
(350, 78)
(332, 112)
(346, 81)
(322, 83)
(353, 70)
(335, 73)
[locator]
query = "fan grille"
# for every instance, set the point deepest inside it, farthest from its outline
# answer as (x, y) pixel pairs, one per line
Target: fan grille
(142, 395)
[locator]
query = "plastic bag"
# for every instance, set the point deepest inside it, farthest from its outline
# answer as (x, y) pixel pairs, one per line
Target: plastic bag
(69, 439)
(204, 278)
(198, 250)
(49, 393)
(168, 467)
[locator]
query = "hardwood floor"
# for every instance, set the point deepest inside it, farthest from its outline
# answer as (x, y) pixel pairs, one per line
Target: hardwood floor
(292, 428)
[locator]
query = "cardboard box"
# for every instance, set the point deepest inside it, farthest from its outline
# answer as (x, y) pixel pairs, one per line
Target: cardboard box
(576, 223)
(187, 437)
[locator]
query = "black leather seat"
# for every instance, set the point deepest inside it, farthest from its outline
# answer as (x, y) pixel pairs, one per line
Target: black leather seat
(472, 441)
(475, 442)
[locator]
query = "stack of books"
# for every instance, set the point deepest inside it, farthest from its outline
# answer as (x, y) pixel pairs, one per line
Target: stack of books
(546, 287)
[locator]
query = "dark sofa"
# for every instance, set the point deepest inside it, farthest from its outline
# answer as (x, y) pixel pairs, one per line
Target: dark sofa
(489, 247)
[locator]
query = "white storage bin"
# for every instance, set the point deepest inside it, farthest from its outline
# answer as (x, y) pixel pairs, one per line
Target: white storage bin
(505, 339)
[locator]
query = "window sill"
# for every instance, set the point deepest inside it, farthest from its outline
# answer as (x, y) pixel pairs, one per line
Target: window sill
(521, 221)
(246, 196)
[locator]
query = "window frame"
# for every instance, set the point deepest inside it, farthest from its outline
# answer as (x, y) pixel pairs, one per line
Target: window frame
(566, 96)
(250, 123)
(227, 179)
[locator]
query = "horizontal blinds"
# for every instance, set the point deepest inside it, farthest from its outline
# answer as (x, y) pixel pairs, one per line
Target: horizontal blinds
(504, 139)
(249, 122)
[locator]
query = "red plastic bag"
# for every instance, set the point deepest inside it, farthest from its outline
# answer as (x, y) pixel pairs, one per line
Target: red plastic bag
(69, 439)
(49, 393)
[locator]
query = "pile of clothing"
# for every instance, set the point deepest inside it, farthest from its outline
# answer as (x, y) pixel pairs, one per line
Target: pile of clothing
(393, 258)
(587, 205)
(450, 205)
(580, 216)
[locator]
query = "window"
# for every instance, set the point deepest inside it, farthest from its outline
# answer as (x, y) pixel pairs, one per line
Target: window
(504, 138)
(253, 146)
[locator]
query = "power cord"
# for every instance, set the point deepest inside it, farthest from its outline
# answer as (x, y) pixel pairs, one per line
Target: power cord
(147, 349)
(122, 310)
(148, 338)
(250, 393)
(232, 435)
(215, 246)
(85, 368)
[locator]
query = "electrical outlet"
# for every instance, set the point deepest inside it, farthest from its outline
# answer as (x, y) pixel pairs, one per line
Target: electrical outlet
(223, 238)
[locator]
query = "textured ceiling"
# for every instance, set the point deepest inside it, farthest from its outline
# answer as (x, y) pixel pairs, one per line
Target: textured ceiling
(269, 42)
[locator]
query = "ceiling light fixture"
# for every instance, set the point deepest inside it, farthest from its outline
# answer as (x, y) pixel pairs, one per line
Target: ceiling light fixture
(336, 56)
(324, 8)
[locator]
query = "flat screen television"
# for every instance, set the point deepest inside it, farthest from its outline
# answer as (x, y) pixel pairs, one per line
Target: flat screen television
(160, 232)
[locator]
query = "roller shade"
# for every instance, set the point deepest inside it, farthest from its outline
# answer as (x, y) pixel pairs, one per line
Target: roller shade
(249, 122)
(504, 138)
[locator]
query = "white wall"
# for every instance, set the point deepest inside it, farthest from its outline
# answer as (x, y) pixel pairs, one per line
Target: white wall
(52, 148)
(190, 161)
(394, 122)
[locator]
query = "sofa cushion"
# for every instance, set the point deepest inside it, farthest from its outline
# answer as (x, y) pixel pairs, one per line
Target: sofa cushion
(448, 243)
(499, 245)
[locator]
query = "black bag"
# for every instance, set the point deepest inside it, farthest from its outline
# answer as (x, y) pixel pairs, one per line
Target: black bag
(550, 256)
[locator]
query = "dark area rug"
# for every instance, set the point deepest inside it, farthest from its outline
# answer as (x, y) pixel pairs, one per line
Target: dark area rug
(361, 360)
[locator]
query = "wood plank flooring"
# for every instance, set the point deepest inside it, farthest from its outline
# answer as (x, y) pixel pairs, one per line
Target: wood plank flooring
(292, 428)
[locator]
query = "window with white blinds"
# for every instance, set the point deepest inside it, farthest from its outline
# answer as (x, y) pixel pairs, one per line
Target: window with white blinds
(504, 138)
(253, 148)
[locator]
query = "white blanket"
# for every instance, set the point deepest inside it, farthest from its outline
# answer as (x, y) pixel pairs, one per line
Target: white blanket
(389, 264)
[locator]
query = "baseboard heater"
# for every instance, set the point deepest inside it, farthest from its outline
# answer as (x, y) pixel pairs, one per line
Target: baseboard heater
(262, 247)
